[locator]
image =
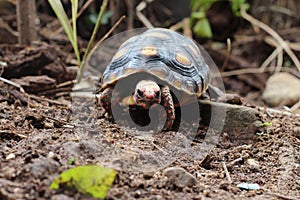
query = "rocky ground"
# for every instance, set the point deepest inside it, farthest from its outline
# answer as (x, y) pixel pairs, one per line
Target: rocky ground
(37, 143)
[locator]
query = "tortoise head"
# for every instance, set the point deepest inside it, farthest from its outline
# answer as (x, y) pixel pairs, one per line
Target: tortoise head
(147, 93)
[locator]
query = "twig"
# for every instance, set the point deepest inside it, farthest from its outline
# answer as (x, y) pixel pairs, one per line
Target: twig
(28, 95)
(281, 196)
(227, 55)
(142, 5)
(177, 26)
(235, 161)
(226, 172)
(84, 7)
(66, 83)
(61, 121)
(271, 112)
(271, 57)
(187, 28)
(13, 84)
(47, 100)
(110, 31)
(98, 43)
(255, 71)
(295, 46)
(274, 34)
(14, 132)
(5, 26)
(279, 61)
(295, 106)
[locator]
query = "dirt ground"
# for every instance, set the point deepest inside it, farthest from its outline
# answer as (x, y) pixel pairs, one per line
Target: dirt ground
(38, 142)
(43, 132)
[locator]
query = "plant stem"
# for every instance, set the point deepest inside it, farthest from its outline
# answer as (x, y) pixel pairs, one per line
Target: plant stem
(91, 42)
(74, 26)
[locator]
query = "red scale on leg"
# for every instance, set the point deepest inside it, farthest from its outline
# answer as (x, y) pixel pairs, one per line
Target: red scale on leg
(167, 103)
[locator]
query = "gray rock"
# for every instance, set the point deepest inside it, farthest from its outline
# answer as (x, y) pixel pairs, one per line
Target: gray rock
(282, 89)
(179, 177)
(240, 122)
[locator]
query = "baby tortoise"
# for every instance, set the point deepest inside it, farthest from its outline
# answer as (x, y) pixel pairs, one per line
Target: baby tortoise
(165, 55)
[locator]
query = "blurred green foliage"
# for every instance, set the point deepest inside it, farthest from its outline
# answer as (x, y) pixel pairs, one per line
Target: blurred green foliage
(92, 180)
(199, 21)
(93, 17)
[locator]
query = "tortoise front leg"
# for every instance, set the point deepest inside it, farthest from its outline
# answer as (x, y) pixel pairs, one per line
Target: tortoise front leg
(167, 103)
(105, 100)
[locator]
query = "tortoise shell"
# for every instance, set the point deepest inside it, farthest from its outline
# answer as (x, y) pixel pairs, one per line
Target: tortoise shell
(165, 54)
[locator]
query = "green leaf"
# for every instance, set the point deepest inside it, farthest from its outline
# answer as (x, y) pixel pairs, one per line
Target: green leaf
(236, 6)
(202, 28)
(198, 15)
(72, 161)
(105, 19)
(201, 5)
(90, 179)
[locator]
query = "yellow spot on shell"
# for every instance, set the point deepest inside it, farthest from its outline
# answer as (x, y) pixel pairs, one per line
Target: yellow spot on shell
(199, 91)
(156, 34)
(129, 71)
(149, 51)
(177, 83)
(119, 53)
(192, 48)
(182, 59)
(159, 73)
(112, 78)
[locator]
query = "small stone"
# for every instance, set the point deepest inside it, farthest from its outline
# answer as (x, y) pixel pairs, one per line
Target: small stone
(51, 154)
(61, 197)
(8, 172)
(48, 125)
(253, 162)
(206, 192)
(282, 89)
(248, 186)
(148, 175)
(180, 177)
(10, 156)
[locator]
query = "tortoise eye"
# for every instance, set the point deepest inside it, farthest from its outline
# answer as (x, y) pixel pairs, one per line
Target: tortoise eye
(140, 93)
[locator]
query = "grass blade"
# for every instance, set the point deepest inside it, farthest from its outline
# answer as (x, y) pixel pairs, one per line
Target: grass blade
(74, 19)
(64, 21)
(91, 42)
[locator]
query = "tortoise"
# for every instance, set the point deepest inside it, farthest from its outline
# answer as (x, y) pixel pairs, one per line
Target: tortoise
(167, 56)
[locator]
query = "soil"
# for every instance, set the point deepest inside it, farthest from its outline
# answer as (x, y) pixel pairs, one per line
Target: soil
(41, 133)
(38, 142)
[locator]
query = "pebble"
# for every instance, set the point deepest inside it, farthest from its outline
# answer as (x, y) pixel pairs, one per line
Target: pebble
(10, 156)
(179, 177)
(282, 89)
